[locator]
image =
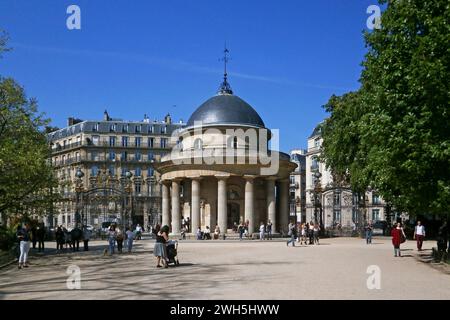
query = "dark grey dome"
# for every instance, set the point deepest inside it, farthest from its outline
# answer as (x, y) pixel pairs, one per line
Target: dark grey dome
(226, 109)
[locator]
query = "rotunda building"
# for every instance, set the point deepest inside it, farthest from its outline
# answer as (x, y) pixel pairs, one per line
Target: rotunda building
(221, 171)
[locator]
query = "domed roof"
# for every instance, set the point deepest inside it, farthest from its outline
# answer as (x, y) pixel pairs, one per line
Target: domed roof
(226, 109)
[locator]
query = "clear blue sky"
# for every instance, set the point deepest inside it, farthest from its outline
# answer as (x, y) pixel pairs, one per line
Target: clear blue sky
(137, 57)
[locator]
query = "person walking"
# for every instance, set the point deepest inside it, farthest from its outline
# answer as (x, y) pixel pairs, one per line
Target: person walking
(86, 238)
(368, 228)
(159, 250)
(119, 238)
(60, 239)
(316, 231)
(269, 230)
(398, 237)
(130, 238)
(311, 232)
(112, 234)
(241, 230)
(138, 232)
(262, 229)
(40, 234)
(292, 232)
(23, 236)
(419, 234)
(76, 235)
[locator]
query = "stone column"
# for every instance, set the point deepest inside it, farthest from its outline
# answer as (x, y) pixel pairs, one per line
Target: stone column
(165, 204)
(249, 203)
(176, 223)
(222, 204)
(271, 210)
(195, 205)
(284, 204)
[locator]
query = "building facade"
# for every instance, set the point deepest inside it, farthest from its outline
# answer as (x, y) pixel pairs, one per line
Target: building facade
(106, 170)
(215, 175)
(297, 186)
(333, 205)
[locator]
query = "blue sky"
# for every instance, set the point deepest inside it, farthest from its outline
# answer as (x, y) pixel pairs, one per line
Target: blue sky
(157, 56)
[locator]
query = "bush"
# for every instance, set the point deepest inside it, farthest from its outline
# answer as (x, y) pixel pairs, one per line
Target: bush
(7, 238)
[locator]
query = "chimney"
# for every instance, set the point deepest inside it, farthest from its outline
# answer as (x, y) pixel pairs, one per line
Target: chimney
(70, 121)
(168, 119)
(106, 116)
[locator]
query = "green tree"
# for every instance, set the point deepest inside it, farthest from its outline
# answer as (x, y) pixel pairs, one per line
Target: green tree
(393, 134)
(26, 176)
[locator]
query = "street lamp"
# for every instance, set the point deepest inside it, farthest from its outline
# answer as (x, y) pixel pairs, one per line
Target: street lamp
(79, 189)
(317, 196)
(129, 190)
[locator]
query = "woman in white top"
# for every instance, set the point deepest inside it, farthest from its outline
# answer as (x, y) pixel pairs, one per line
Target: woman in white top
(262, 229)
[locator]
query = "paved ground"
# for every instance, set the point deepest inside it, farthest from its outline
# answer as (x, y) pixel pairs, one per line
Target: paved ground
(335, 269)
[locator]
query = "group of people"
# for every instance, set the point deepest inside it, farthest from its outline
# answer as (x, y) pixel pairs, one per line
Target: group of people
(72, 238)
(305, 233)
(116, 235)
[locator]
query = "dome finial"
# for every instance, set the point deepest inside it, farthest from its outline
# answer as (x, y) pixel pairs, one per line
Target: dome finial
(225, 87)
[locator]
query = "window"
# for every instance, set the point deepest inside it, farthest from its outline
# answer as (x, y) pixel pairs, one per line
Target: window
(151, 129)
(137, 129)
(376, 214)
(96, 140)
(95, 127)
(150, 142)
(198, 144)
(150, 172)
(112, 128)
(336, 216)
(64, 159)
(94, 156)
(125, 128)
(123, 171)
(124, 141)
(314, 163)
(163, 129)
(317, 142)
(138, 156)
(77, 156)
(63, 219)
(112, 141)
(94, 171)
(337, 199)
(123, 156)
(163, 142)
(112, 170)
(137, 188)
(232, 142)
(375, 199)
(137, 172)
(151, 156)
(292, 179)
(112, 155)
(138, 141)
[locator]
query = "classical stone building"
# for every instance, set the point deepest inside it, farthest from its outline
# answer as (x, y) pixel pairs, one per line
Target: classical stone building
(297, 186)
(331, 204)
(106, 168)
(220, 171)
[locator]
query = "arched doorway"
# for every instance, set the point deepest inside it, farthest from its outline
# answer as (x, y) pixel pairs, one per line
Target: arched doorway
(233, 214)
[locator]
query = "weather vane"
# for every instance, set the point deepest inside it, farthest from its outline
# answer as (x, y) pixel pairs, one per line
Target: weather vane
(225, 87)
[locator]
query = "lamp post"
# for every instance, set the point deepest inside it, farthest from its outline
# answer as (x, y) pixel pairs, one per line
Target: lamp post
(129, 190)
(317, 197)
(79, 189)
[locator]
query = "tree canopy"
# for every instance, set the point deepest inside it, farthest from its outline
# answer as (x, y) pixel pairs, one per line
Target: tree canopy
(393, 133)
(26, 176)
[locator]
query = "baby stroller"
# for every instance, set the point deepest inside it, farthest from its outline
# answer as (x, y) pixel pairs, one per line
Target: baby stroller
(172, 251)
